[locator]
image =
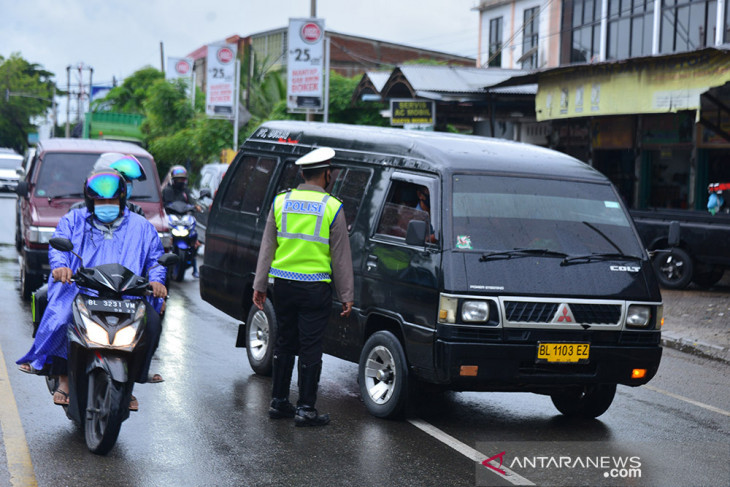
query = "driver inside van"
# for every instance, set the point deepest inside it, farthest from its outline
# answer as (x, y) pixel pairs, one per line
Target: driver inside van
(424, 204)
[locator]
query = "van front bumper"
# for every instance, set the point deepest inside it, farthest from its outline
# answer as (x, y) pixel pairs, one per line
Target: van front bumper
(513, 367)
(36, 264)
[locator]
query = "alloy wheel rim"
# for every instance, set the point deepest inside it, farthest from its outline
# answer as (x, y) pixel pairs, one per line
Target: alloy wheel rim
(258, 336)
(380, 375)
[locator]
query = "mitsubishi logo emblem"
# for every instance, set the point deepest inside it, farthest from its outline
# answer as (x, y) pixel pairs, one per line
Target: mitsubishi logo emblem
(564, 315)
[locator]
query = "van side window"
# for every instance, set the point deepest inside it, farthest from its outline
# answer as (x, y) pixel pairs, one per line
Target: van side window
(247, 189)
(401, 206)
(291, 177)
(349, 187)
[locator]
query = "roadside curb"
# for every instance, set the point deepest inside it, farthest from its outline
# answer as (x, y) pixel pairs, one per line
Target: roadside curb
(696, 347)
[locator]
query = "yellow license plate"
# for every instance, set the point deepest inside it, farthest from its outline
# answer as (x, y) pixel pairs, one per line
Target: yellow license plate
(574, 353)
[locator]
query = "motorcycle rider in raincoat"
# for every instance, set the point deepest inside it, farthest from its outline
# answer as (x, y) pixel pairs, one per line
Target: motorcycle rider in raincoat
(103, 232)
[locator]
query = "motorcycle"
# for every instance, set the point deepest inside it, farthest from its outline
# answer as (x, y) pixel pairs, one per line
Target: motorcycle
(184, 236)
(104, 355)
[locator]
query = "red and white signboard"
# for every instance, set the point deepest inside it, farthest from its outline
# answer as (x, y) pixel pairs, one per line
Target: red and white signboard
(305, 65)
(220, 80)
(178, 67)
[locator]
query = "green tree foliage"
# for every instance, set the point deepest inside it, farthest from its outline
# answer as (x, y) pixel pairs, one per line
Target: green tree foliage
(177, 134)
(168, 108)
(130, 96)
(31, 89)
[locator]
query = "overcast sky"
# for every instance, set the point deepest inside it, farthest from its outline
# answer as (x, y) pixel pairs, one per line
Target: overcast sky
(117, 37)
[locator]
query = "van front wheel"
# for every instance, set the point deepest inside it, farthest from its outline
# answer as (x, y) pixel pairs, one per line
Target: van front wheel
(383, 375)
(585, 402)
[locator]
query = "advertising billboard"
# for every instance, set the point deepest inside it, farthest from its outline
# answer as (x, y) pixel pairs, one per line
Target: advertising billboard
(305, 65)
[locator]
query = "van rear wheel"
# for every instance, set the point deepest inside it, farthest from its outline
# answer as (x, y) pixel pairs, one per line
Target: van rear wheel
(383, 375)
(585, 402)
(260, 338)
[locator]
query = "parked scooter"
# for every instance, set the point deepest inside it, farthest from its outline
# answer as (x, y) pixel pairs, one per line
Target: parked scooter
(104, 355)
(184, 236)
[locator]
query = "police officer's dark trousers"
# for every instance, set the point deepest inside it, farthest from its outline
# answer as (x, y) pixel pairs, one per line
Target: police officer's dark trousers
(302, 312)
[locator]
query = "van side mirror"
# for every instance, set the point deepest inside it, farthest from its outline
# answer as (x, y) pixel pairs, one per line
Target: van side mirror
(673, 238)
(416, 234)
(20, 171)
(205, 193)
(22, 189)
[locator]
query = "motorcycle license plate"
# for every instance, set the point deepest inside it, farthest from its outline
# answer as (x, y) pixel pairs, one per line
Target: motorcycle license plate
(111, 305)
(571, 353)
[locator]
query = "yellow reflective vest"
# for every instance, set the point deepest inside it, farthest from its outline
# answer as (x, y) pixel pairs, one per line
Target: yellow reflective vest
(303, 221)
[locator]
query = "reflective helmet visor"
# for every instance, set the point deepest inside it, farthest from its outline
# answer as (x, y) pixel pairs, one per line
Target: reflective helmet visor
(104, 186)
(128, 166)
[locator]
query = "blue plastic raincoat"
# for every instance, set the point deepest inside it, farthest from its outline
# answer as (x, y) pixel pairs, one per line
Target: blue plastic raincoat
(133, 242)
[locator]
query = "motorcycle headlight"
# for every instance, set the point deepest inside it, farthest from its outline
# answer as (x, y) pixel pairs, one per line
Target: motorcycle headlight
(180, 232)
(95, 332)
(125, 336)
(638, 316)
(475, 311)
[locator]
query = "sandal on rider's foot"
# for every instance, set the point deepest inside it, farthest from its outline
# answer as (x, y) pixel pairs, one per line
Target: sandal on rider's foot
(154, 379)
(133, 404)
(61, 400)
(28, 369)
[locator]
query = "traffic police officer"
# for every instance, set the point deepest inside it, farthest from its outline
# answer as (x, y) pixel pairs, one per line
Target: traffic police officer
(305, 242)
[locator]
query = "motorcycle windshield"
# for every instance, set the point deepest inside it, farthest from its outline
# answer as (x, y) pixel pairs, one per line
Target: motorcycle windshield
(114, 278)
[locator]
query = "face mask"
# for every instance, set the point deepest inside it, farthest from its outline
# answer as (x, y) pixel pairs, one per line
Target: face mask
(106, 213)
(178, 185)
(129, 190)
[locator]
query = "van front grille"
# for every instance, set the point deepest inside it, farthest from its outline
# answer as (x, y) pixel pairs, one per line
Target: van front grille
(543, 312)
(524, 312)
(598, 314)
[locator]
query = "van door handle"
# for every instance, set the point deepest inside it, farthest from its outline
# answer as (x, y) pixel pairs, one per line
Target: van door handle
(372, 262)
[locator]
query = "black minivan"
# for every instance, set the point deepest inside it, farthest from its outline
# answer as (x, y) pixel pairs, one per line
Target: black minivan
(480, 265)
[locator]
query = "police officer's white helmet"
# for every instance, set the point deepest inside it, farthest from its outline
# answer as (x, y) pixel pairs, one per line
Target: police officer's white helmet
(316, 159)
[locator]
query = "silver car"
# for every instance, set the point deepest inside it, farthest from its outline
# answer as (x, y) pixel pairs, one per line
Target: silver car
(10, 162)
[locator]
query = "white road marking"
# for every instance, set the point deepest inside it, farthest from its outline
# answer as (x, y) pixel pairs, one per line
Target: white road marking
(20, 466)
(688, 400)
(469, 452)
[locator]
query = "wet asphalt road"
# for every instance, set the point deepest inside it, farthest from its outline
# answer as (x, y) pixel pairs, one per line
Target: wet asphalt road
(207, 424)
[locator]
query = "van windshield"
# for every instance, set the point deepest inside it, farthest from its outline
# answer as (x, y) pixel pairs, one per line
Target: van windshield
(62, 174)
(492, 213)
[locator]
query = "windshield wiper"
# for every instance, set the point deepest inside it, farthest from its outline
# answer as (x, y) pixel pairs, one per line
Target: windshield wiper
(605, 237)
(597, 256)
(508, 254)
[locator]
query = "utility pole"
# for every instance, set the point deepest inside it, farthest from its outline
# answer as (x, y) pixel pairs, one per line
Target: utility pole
(80, 94)
(68, 100)
(312, 14)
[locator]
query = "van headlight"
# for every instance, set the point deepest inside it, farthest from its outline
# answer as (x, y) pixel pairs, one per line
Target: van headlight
(638, 316)
(40, 235)
(475, 311)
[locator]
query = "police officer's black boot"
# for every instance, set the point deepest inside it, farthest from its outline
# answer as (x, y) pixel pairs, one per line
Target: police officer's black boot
(308, 383)
(280, 407)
